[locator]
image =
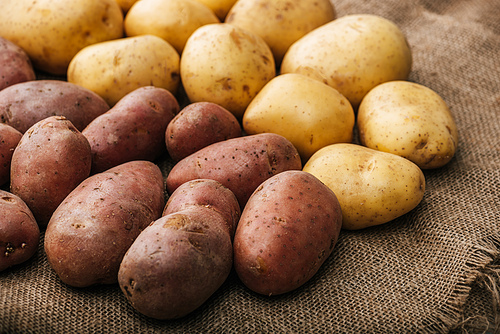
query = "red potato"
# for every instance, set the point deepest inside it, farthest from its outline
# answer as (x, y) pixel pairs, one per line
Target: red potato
(24, 104)
(19, 231)
(181, 259)
(15, 65)
(134, 129)
(198, 125)
(92, 229)
(51, 159)
(240, 164)
(207, 193)
(9, 138)
(287, 230)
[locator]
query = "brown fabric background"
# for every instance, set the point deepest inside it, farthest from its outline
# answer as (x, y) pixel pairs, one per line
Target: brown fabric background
(435, 270)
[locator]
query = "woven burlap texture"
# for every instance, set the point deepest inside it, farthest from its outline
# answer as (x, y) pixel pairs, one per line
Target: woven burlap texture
(434, 270)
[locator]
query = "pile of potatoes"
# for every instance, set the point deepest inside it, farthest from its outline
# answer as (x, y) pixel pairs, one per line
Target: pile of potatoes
(255, 103)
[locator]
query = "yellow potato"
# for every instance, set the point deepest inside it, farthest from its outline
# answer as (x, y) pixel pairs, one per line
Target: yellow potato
(409, 120)
(307, 112)
(373, 187)
(353, 54)
(172, 20)
(125, 5)
(281, 22)
(53, 31)
(220, 7)
(113, 69)
(226, 65)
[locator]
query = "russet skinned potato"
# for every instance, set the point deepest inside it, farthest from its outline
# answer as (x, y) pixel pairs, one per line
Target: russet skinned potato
(410, 120)
(172, 20)
(373, 187)
(9, 138)
(353, 54)
(115, 68)
(53, 31)
(15, 65)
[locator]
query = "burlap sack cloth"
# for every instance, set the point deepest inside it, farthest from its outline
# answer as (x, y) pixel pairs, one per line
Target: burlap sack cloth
(435, 270)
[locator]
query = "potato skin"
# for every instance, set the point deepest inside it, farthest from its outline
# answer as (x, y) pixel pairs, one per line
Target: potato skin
(51, 159)
(410, 120)
(198, 125)
(9, 138)
(92, 229)
(24, 104)
(134, 129)
(240, 164)
(15, 65)
(177, 263)
(19, 231)
(207, 193)
(373, 187)
(289, 227)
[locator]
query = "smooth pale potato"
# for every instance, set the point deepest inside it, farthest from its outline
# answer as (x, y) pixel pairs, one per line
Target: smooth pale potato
(113, 69)
(15, 65)
(281, 22)
(410, 120)
(305, 111)
(19, 231)
(289, 227)
(219, 7)
(226, 65)
(353, 54)
(373, 187)
(172, 20)
(53, 31)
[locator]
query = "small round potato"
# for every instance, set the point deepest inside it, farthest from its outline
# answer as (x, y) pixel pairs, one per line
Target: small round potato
(113, 69)
(226, 65)
(15, 65)
(9, 138)
(219, 7)
(372, 187)
(281, 22)
(198, 125)
(305, 111)
(172, 20)
(53, 31)
(353, 54)
(410, 120)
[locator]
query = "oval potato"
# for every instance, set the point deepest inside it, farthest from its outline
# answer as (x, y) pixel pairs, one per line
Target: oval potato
(309, 113)
(9, 138)
(52, 32)
(410, 120)
(219, 7)
(113, 69)
(372, 187)
(15, 65)
(353, 54)
(226, 65)
(172, 20)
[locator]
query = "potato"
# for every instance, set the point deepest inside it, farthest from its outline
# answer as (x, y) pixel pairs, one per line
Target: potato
(94, 226)
(19, 231)
(353, 54)
(24, 104)
(53, 31)
(177, 263)
(15, 65)
(373, 187)
(280, 22)
(307, 112)
(289, 227)
(113, 69)
(51, 159)
(125, 5)
(198, 125)
(134, 129)
(210, 194)
(219, 7)
(226, 65)
(240, 164)
(410, 120)
(9, 138)
(172, 20)
(181, 259)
